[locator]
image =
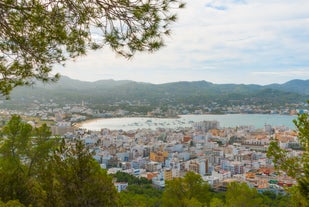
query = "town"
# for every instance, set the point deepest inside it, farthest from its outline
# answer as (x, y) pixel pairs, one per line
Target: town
(172, 103)
(219, 155)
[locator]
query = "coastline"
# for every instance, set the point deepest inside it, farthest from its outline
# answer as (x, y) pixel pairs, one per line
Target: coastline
(87, 121)
(227, 120)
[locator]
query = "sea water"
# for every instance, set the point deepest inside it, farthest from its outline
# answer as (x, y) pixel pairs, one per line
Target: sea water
(227, 120)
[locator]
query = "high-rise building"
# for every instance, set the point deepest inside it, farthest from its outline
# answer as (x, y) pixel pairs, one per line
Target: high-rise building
(206, 125)
(168, 174)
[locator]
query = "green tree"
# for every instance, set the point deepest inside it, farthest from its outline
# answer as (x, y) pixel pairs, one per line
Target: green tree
(81, 180)
(16, 138)
(38, 170)
(130, 179)
(24, 152)
(296, 198)
(141, 195)
(183, 191)
(240, 195)
(15, 141)
(12, 203)
(40, 167)
(216, 202)
(295, 166)
(37, 34)
(274, 199)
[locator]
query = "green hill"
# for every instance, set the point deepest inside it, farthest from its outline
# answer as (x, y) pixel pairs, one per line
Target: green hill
(67, 90)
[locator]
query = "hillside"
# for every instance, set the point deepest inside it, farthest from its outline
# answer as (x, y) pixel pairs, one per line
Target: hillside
(67, 90)
(296, 86)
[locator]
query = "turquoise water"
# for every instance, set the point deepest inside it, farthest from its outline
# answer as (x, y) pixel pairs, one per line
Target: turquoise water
(228, 120)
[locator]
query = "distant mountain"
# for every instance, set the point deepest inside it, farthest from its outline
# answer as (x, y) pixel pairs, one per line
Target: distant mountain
(67, 90)
(68, 83)
(297, 86)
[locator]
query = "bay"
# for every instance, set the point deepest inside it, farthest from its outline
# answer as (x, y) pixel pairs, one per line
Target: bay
(226, 120)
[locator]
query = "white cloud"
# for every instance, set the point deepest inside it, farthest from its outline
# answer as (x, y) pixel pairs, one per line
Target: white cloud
(293, 72)
(217, 40)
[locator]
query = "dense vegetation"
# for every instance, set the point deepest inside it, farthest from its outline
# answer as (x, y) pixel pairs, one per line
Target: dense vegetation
(148, 95)
(39, 170)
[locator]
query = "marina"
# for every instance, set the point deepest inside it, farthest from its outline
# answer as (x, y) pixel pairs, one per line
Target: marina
(227, 120)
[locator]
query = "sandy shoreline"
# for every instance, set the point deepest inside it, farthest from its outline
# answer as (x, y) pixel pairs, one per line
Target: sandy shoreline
(80, 124)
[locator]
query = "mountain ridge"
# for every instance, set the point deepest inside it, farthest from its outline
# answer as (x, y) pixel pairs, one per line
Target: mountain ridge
(193, 92)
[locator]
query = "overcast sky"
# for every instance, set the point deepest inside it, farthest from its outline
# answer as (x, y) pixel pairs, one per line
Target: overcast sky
(221, 41)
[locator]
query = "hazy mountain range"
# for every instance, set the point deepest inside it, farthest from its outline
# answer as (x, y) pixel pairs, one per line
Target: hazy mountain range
(196, 92)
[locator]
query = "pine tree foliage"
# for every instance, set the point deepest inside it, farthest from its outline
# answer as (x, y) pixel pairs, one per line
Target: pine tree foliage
(37, 34)
(191, 189)
(39, 170)
(295, 166)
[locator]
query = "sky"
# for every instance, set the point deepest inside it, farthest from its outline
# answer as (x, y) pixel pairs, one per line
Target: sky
(220, 41)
